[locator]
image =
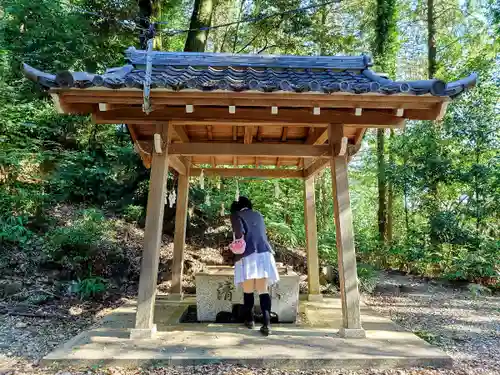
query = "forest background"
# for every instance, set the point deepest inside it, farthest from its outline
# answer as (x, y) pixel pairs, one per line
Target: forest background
(425, 198)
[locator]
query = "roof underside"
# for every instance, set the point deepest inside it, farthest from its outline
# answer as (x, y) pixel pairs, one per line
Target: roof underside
(248, 99)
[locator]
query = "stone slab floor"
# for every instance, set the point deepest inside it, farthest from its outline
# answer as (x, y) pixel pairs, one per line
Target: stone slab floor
(312, 343)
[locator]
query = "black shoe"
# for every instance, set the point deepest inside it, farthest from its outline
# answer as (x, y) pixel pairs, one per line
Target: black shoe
(265, 330)
(250, 324)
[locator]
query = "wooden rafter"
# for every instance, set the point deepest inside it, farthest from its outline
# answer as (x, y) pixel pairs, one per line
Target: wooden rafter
(248, 172)
(254, 149)
(210, 138)
(284, 134)
(181, 133)
(248, 138)
(315, 137)
(304, 100)
(249, 117)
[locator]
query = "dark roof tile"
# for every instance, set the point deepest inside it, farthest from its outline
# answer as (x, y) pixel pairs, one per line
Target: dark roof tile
(208, 72)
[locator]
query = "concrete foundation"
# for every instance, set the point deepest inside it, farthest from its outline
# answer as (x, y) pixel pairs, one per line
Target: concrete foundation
(314, 342)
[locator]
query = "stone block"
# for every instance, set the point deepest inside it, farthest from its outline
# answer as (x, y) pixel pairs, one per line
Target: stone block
(352, 333)
(143, 333)
(216, 292)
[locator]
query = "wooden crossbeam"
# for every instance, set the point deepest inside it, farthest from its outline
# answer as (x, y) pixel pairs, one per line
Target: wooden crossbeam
(210, 138)
(181, 133)
(316, 136)
(284, 134)
(249, 117)
(176, 163)
(316, 167)
(254, 149)
(166, 98)
(248, 172)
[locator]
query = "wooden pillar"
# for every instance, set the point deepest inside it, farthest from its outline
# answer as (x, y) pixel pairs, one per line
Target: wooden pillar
(180, 234)
(144, 327)
(351, 319)
(311, 240)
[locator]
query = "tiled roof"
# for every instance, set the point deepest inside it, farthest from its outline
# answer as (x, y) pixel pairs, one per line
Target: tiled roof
(208, 72)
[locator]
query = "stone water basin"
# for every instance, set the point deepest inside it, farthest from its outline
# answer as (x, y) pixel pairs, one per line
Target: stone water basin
(215, 292)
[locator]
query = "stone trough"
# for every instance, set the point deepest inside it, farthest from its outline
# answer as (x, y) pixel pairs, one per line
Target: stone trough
(215, 292)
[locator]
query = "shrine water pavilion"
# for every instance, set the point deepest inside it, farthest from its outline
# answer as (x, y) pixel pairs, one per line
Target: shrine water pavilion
(247, 115)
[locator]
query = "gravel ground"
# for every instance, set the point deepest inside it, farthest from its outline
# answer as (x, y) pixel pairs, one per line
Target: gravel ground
(465, 326)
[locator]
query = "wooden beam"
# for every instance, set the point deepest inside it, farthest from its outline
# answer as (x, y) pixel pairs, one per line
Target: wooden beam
(176, 163)
(210, 138)
(314, 168)
(181, 133)
(144, 327)
(316, 136)
(311, 239)
(235, 133)
(248, 116)
(255, 149)
(248, 138)
(441, 110)
(248, 172)
(180, 234)
(284, 134)
(58, 104)
(259, 134)
(349, 292)
(358, 138)
(306, 100)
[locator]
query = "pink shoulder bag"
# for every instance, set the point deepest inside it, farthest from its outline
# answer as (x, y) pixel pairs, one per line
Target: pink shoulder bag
(238, 246)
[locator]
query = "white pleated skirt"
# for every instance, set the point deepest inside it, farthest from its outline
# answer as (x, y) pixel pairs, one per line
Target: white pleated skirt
(256, 266)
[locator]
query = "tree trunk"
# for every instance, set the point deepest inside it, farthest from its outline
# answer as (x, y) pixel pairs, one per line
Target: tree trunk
(201, 18)
(390, 195)
(149, 11)
(431, 39)
(382, 203)
(432, 68)
(384, 50)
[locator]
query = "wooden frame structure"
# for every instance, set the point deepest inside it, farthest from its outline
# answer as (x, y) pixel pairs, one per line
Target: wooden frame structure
(247, 115)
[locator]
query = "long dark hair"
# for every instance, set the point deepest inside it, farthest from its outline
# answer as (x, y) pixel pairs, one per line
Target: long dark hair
(235, 207)
(244, 202)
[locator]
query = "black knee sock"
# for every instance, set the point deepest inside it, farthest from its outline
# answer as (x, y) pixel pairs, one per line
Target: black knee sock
(265, 306)
(248, 302)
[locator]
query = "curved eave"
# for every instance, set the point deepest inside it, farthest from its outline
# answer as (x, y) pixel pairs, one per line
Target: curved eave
(121, 78)
(434, 87)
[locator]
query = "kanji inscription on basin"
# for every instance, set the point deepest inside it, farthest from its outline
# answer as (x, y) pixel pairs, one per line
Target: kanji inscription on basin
(215, 292)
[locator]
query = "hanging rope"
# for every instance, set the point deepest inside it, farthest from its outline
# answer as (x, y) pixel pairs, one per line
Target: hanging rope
(202, 180)
(222, 209)
(237, 194)
(171, 198)
(146, 106)
(207, 199)
(277, 190)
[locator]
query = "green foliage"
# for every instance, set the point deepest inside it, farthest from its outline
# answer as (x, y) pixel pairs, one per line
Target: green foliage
(133, 213)
(91, 287)
(85, 242)
(368, 278)
(445, 176)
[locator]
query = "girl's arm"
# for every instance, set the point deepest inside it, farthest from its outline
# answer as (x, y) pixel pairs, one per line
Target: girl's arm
(237, 226)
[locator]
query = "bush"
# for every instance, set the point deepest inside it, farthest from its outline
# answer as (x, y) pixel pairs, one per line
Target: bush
(133, 213)
(91, 287)
(86, 243)
(368, 278)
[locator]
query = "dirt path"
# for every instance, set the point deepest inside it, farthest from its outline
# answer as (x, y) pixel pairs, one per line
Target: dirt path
(463, 324)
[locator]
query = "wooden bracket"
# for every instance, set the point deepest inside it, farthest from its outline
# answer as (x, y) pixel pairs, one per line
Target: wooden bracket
(157, 143)
(343, 146)
(353, 149)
